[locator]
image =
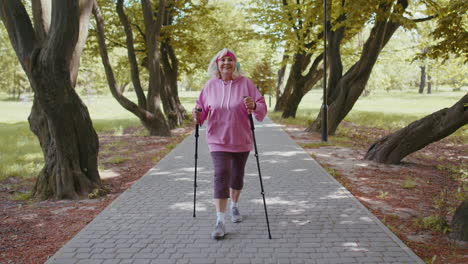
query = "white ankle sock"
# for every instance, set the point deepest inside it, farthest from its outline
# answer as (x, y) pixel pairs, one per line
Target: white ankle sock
(220, 217)
(233, 204)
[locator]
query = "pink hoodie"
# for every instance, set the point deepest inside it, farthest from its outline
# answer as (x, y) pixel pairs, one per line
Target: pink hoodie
(223, 104)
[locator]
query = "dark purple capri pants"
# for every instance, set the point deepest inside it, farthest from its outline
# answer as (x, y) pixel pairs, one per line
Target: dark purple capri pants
(228, 172)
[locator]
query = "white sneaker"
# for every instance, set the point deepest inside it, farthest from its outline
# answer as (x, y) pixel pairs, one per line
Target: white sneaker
(236, 217)
(219, 231)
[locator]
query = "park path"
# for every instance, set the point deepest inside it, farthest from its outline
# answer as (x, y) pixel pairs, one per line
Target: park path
(313, 218)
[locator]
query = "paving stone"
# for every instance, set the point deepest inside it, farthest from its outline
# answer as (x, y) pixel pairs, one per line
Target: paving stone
(313, 219)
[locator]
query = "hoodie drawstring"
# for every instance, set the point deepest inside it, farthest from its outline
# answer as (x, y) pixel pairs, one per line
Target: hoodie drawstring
(222, 88)
(229, 91)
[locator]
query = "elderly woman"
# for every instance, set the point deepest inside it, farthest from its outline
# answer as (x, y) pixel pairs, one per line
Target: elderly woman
(225, 101)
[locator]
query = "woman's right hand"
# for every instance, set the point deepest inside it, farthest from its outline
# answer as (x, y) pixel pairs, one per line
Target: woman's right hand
(196, 112)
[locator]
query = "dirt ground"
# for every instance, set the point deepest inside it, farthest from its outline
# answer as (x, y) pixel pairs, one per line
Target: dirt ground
(31, 232)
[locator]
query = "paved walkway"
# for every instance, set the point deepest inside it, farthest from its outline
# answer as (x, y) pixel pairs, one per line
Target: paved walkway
(313, 218)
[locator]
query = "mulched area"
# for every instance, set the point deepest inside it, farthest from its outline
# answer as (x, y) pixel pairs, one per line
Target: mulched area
(424, 184)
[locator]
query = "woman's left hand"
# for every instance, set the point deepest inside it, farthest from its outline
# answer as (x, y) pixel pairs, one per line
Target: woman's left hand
(249, 104)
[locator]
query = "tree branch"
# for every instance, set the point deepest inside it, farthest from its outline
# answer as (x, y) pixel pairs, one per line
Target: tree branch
(131, 55)
(41, 16)
(417, 20)
(86, 7)
(20, 30)
(141, 31)
(123, 101)
(64, 26)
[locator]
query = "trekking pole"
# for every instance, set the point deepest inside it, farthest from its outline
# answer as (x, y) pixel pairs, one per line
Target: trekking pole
(196, 158)
(259, 173)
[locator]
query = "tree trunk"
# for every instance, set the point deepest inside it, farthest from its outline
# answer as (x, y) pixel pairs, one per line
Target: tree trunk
(151, 121)
(174, 110)
(392, 148)
(345, 90)
(134, 71)
(422, 83)
(68, 141)
(460, 222)
(302, 87)
(429, 84)
(281, 73)
(58, 118)
(298, 85)
(153, 33)
(290, 84)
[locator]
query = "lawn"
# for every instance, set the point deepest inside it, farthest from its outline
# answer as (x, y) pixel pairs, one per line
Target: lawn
(20, 154)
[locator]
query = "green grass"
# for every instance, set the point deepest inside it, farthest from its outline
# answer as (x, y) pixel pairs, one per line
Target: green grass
(408, 184)
(433, 223)
(382, 195)
(21, 156)
(315, 144)
(20, 153)
(21, 196)
(389, 111)
(116, 160)
(395, 102)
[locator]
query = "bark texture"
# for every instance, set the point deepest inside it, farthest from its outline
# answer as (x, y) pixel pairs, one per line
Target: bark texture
(49, 54)
(344, 90)
(281, 73)
(392, 148)
(173, 108)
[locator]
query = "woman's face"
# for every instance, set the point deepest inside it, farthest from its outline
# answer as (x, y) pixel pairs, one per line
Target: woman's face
(226, 65)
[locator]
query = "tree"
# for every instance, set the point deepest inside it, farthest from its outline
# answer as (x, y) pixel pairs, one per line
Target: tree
(294, 23)
(170, 73)
(394, 147)
(264, 77)
(49, 53)
(345, 89)
(148, 109)
(422, 83)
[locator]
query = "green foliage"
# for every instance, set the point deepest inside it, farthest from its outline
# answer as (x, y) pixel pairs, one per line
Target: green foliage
(116, 160)
(118, 131)
(315, 144)
(13, 81)
(451, 31)
(21, 196)
(433, 222)
(96, 193)
(332, 172)
(456, 172)
(408, 184)
(264, 78)
(382, 194)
